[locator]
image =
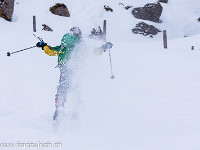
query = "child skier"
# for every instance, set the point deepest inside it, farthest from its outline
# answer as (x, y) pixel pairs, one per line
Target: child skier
(68, 43)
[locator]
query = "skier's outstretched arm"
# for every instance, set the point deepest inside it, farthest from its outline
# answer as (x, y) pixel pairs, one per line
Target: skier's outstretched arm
(51, 51)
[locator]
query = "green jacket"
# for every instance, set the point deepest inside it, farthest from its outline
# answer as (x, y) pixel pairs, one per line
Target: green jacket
(68, 43)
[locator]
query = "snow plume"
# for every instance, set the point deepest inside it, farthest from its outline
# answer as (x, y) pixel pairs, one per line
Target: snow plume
(74, 64)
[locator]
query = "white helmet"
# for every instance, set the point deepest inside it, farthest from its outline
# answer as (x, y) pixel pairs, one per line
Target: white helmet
(76, 32)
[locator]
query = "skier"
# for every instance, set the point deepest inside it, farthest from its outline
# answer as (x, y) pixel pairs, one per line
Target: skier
(69, 42)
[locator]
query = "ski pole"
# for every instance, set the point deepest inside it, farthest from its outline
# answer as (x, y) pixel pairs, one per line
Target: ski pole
(8, 53)
(38, 38)
(112, 76)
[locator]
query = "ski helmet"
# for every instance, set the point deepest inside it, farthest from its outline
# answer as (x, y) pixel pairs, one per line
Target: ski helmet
(76, 32)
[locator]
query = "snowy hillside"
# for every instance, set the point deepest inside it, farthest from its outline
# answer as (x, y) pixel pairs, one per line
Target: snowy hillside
(152, 104)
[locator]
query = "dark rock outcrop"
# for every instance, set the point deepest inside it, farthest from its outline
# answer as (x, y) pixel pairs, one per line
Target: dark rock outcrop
(107, 8)
(6, 9)
(60, 10)
(46, 28)
(145, 29)
(163, 1)
(151, 12)
(96, 33)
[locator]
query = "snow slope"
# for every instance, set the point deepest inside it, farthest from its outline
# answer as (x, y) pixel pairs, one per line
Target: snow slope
(153, 103)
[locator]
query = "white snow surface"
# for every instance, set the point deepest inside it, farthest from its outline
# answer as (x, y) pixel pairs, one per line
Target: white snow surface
(152, 104)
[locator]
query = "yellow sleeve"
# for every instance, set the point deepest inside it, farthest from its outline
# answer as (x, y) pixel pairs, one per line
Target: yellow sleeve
(50, 52)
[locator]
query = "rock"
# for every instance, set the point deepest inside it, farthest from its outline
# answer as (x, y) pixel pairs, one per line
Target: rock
(126, 7)
(6, 9)
(163, 1)
(151, 12)
(96, 33)
(145, 29)
(107, 8)
(60, 10)
(46, 28)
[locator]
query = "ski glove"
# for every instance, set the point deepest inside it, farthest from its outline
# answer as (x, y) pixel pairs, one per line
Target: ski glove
(106, 46)
(41, 44)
